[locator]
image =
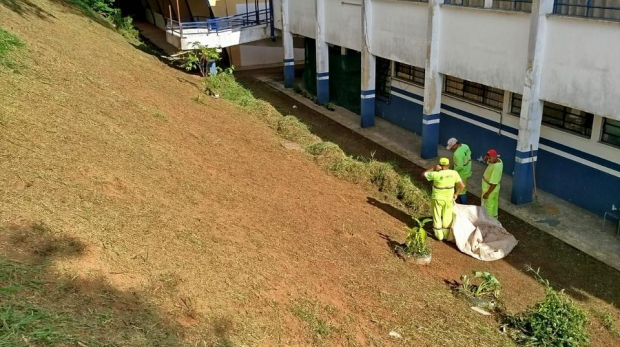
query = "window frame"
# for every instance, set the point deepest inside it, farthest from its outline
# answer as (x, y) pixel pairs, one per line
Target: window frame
(564, 111)
(469, 86)
(603, 126)
(412, 72)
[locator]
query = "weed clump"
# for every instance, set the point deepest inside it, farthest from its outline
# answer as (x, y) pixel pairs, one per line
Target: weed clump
(9, 43)
(555, 321)
(292, 129)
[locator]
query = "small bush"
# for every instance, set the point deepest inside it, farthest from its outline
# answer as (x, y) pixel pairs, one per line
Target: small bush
(330, 106)
(488, 286)
(555, 321)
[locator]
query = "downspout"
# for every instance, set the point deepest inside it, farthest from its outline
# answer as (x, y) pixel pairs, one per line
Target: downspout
(271, 26)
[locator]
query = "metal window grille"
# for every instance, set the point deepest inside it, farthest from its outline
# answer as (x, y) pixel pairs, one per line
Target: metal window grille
(561, 117)
(384, 79)
(611, 132)
(410, 73)
(601, 9)
(513, 5)
(476, 92)
(465, 3)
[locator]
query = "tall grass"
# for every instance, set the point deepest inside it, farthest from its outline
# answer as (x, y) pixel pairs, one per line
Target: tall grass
(384, 177)
(9, 44)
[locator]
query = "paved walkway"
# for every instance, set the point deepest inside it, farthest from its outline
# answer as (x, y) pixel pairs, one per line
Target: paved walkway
(569, 223)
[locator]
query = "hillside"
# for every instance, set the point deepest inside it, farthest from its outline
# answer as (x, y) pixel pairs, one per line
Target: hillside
(137, 211)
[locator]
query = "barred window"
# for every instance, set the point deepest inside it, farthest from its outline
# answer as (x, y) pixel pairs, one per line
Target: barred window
(611, 132)
(562, 117)
(383, 81)
(409, 73)
(476, 92)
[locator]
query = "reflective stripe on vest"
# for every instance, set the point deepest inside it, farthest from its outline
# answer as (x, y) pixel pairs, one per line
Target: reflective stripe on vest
(443, 187)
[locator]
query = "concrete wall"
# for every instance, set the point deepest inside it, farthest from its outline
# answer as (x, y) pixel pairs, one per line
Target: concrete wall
(581, 67)
(303, 17)
(399, 31)
(488, 47)
(344, 23)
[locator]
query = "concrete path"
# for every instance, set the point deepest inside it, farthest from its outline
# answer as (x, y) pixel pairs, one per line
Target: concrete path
(569, 223)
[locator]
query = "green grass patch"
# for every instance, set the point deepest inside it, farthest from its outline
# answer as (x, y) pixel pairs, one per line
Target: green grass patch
(309, 312)
(608, 322)
(9, 47)
(382, 176)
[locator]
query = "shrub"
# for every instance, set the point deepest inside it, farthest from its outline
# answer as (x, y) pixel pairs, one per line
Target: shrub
(415, 242)
(330, 106)
(555, 321)
(198, 58)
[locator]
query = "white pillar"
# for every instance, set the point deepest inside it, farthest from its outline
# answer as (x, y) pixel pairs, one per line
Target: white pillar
(433, 83)
(488, 3)
(289, 50)
(322, 56)
(369, 66)
(531, 106)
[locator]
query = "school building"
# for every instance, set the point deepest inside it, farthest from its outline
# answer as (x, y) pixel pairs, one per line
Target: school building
(538, 81)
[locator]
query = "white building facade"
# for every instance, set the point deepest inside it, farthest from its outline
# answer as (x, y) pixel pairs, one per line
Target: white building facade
(538, 81)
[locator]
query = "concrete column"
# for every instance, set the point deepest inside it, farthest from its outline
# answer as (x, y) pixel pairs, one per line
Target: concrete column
(532, 107)
(433, 83)
(369, 67)
(488, 3)
(289, 49)
(322, 56)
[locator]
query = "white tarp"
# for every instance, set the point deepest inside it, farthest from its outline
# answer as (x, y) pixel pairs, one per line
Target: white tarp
(479, 235)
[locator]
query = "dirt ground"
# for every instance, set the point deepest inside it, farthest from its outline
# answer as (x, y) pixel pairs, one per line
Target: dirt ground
(187, 220)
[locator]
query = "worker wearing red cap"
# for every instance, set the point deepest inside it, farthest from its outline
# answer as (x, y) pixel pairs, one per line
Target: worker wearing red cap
(443, 196)
(491, 182)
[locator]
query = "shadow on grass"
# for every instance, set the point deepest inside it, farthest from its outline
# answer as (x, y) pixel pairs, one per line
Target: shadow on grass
(566, 267)
(39, 306)
(24, 7)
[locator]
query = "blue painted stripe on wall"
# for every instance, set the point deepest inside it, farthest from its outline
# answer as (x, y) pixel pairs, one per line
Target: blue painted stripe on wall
(527, 154)
(431, 116)
(409, 94)
(322, 74)
(480, 119)
(580, 154)
(290, 60)
(368, 92)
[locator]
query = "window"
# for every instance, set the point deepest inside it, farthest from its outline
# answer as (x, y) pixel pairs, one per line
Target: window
(383, 81)
(410, 73)
(476, 92)
(611, 132)
(562, 117)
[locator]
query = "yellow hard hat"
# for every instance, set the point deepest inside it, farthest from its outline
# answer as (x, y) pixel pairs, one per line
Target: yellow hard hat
(444, 161)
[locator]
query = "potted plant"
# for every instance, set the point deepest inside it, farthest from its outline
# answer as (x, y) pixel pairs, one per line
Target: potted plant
(484, 293)
(416, 248)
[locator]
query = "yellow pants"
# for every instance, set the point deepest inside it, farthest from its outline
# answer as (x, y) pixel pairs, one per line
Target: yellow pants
(492, 203)
(465, 184)
(442, 218)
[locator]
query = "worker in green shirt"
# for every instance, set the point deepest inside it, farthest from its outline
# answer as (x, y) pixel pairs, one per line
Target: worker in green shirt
(443, 196)
(462, 164)
(490, 182)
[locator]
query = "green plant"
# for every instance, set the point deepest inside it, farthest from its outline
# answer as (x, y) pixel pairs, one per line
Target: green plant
(488, 286)
(199, 57)
(307, 311)
(330, 106)
(9, 42)
(555, 321)
(415, 242)
(297, 89)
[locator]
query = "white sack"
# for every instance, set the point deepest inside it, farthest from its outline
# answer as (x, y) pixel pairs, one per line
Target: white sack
(479, 235)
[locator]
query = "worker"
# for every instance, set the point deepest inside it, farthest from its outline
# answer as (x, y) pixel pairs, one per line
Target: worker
(443, 196)
(491, 182)
(462, 164)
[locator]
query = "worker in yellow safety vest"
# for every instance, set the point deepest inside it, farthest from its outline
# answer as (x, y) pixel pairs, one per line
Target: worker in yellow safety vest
(491, 183)
(461, 160)
(443, 196)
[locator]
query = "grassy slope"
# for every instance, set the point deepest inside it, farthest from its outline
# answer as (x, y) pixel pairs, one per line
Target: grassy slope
(135, 215)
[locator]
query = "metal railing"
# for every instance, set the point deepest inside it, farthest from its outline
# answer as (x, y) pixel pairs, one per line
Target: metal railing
(600, 9)
(217, 25)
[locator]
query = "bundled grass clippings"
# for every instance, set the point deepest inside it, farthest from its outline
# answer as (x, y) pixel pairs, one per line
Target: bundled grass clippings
(555, 321)
(327, 154)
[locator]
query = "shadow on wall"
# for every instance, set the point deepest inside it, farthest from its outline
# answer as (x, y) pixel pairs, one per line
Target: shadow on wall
(43, 307)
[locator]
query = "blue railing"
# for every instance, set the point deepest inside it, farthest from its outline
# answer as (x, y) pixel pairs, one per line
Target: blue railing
(217, 25)
(600, 9)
